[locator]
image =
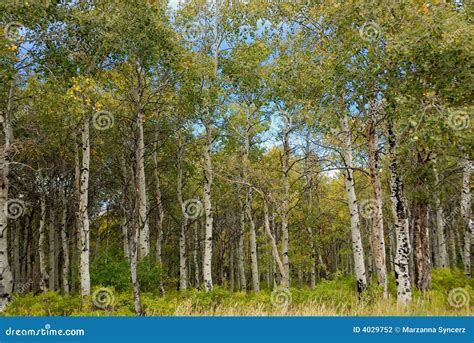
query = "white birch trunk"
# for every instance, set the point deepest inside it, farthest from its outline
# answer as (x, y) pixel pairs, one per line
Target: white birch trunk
(83, 209)
(399, 210)
(124, 207)
(133, 263)
(42, 258)
(195, 255)
(6, 279)
(183, 273)
(248, 206)
(64, 243)
(160, 210)
(253, 246)
(276, 256)
(377, 215)
(466, 213)
(52, 249)
(357, 247)
(441, 244)
(286, 195)
(240, 243)
(144, 231)
(207, 262)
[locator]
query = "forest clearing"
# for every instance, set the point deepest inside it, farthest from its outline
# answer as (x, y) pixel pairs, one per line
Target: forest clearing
(236, 158)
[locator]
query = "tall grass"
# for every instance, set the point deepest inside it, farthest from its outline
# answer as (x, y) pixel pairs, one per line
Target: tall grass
(336, 297)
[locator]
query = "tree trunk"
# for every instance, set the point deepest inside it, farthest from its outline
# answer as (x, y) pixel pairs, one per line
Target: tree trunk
(402, 234)
(357, 247)
(377, 215)
(133, 263)
(6, 279)
(124, 205)
(285, 161)
(231, 267)
(64, 243)
(140, 187)
(248, 206)
(240, 243)
(42, 259)
(276, 256)
(253, 244)
(422, 247)
(195, 255)
(83, 209)
(183, 277)
(441, 245)
(207, 262)
(467, 226)
(52, 248)
(160, 211)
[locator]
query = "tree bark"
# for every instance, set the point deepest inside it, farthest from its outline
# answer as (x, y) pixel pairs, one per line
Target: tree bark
(248, 206)
(467, 226)
(285, 161)
(195, 255)
(402, 234)
(422, 246)
(240, 243)
(64, 243)
(140, 186)
(276, 256)
(207, 262)
(357, 247)
(160, 210)
(6, 279)
(83, 209)
(183, 277)
(441, 245)
(133, 263)
(52, 248)
(377, 215)
(42, 259)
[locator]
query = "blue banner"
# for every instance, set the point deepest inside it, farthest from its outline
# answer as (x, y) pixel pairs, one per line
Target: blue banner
(237, 329)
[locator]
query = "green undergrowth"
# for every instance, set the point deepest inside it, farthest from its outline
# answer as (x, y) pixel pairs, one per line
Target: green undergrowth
(330, 297)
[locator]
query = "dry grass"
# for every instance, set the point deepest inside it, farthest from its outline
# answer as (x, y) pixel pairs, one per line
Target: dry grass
(313, 308)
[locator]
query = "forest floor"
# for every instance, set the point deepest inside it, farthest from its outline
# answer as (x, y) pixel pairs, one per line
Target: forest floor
(451, 294)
